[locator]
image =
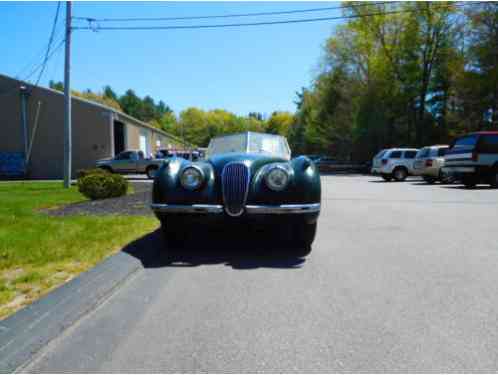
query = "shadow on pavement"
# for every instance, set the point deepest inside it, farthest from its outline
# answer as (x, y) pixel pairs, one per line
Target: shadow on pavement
(252, 251)
(463, 187)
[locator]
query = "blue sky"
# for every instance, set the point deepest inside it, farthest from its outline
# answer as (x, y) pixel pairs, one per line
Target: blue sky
(238, 69)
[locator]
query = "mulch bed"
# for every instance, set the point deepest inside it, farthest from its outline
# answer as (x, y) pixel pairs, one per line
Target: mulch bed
(131, 204)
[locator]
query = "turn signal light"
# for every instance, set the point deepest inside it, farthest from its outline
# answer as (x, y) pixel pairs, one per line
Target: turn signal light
(428, 163)
(384, 161)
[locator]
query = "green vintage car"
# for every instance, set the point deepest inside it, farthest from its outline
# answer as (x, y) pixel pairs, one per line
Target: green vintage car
(247, 178)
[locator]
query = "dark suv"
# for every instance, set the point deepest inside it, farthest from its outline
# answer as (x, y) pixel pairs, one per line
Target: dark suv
(473, 159)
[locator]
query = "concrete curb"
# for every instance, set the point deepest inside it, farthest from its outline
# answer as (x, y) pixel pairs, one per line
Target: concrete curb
(27, 331)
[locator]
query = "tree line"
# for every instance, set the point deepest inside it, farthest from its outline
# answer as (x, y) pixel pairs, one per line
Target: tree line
(195, 125)
(394, 74)
(401, 74)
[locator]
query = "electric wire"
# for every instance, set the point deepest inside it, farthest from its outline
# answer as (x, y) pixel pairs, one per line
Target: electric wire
(236, 15)
(49, 46)
(261, 23)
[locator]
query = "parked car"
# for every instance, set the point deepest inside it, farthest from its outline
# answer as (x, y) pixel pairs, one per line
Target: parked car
(189, 155)
(246, 178)
(429, 164)
(377, 162)
(394, 163)
(473, 159)
(131, 161)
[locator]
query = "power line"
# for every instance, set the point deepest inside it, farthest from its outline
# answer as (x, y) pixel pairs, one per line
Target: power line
(49, 46)
(262, 23)
(59, 45)
(26, 79)
(90, 19)
(35, 59)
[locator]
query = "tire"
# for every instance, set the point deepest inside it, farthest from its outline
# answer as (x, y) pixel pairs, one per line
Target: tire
(445, 178)
(470, 182)
(400, 174)
(387, 177)
(151, 171)
(429, 179)
(303, 237)
(494, 178)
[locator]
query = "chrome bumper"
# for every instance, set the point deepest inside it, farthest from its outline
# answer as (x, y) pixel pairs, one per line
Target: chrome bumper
(187, 209)
(284, 209)
(218, 209)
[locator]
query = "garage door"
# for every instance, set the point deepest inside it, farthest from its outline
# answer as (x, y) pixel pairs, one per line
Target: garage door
(144, 143)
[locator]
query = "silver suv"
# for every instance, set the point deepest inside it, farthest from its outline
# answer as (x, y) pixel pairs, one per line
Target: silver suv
(429, 164)
(394, 163)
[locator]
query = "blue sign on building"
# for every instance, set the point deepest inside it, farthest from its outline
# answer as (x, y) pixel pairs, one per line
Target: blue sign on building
(12, 164)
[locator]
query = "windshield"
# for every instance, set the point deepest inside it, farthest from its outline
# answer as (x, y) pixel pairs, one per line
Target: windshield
(258, 143)
(465, 143)
(380, 154)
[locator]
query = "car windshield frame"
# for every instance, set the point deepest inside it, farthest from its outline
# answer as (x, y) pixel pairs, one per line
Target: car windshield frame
(250, 142)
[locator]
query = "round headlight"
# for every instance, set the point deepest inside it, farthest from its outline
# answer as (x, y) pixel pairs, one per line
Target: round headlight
(191, 178)
(277, 178)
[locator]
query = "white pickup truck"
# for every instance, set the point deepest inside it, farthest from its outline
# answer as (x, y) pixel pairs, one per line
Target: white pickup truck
(131, 161)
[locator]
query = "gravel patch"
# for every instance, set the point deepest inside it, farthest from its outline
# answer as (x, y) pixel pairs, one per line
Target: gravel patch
(137, 203)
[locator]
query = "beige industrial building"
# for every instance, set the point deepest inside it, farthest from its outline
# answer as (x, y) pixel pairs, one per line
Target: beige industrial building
(34, 142)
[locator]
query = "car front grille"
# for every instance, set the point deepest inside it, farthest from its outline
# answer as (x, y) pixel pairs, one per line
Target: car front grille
(235, 185)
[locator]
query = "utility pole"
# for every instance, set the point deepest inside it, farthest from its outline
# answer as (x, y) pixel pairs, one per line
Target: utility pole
(67, 101)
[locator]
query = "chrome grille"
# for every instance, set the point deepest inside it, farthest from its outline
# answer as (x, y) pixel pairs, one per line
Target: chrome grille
(235, 185)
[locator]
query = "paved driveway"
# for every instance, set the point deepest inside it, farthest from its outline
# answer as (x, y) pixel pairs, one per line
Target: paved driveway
(402, 277)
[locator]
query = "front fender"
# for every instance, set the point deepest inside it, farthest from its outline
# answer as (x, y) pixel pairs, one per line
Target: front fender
(304, 185)
(167, 188)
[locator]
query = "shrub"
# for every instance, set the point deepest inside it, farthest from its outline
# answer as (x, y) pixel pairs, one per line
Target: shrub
(102, 185)
(85, 172)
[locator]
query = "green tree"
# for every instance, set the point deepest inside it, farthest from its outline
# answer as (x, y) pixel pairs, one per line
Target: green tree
(280, 123)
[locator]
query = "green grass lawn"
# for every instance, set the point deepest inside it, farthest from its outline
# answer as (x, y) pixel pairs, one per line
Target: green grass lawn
(39, 252)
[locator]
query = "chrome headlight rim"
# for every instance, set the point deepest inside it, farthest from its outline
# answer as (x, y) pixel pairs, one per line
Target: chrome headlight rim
(201, 180)
(268, 172)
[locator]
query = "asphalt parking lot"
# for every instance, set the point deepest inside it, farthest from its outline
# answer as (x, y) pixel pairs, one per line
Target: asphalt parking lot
(402, 277)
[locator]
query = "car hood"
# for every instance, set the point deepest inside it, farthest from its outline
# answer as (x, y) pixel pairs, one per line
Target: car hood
(253, 161)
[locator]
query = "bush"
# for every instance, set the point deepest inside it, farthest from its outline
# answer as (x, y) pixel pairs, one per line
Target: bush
(85, 172)
(102, 185)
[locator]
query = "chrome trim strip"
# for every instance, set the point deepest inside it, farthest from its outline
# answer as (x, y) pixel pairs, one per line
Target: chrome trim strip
(188, 209)
(284, 209)
(248, 184)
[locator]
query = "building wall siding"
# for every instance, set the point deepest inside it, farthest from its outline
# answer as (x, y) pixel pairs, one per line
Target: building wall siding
(92, 130)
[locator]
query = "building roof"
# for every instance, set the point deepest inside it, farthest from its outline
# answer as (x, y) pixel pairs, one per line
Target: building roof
(102, 106)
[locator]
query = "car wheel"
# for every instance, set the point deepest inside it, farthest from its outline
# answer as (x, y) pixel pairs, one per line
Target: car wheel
(387, 177)
(400, 174)
(151, 172)
(445, 178)
(429, 179)
(494, 178)
(303, 237)
(470, 182)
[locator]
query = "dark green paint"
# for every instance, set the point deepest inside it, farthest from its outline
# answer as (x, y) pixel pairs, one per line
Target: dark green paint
(304, 186)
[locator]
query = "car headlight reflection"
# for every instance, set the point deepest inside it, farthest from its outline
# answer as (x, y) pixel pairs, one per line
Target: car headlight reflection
(192, 178)
(277, 178)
